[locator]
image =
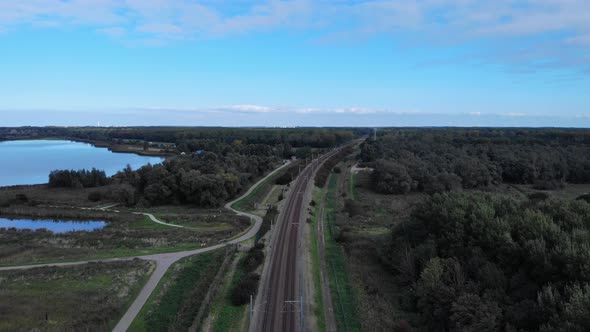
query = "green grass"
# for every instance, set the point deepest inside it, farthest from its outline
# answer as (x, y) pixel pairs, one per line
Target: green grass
(353, 181)
(74, 298)
(178, 297)
(147, 223)
(113, 253)
(247, 203)
(192, 225)
(344, 294)
(227, 316)
(318, 298)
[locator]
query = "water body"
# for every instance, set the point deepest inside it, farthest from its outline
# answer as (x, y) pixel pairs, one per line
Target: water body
(56, 226)
(30, 162)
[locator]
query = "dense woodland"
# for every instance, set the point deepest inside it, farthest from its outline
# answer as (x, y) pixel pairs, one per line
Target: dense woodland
(439, 160)
(210, 165)
(483, 262)
(190, 139)
(466, 260)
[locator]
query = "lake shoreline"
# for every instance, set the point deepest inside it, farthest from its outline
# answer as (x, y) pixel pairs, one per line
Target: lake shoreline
(115, 148)
(30, 161)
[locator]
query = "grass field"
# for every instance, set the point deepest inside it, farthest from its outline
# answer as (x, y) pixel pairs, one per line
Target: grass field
(89, 297)
(343, 292)
(126, 235)
(227, 317)
(178, 297)
(257, 195)
(318, 299)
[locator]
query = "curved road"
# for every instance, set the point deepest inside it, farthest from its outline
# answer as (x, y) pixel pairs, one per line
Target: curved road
(164, 261)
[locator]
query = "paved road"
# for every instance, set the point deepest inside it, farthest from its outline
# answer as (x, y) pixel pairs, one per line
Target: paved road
(164, 261)
(280, 295)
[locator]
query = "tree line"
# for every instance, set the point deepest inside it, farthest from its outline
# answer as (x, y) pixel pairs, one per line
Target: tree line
(78, 179)
(189, 139)
(439, 160)
(223, 162)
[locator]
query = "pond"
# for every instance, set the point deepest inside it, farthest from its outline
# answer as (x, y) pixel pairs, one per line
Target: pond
(30, 162)
(56, 226)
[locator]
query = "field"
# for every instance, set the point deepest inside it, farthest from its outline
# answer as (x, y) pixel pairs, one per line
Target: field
(127, 234)
(224, 315)
(318, 299)
(88, 297)
(267, 193)
(358, 225)
(344, 292)
(180, 295)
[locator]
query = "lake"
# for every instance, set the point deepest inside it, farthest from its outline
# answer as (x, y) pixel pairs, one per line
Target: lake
(56, 226)
(30, 162)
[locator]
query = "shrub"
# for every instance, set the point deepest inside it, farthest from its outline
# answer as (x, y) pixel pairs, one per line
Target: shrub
(548, 184)
(585, 197)
(22, 198)
(253, 259)
(95, 196)
(538, 196)
(247, 287)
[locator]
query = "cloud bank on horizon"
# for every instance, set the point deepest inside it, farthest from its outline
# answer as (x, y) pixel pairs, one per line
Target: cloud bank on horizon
(384, 58)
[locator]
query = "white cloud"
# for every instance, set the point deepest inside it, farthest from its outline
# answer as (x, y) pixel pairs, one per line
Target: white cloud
(248, 108)
(563, 24)
(113, 31)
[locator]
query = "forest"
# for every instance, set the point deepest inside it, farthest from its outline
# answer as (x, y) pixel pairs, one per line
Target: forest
(440, 160)
(190, 139)
(486, 262)
(210, 165)
(470, 256)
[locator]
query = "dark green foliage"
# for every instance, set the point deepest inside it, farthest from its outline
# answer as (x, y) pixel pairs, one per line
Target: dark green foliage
(78, 179)
(439, 160)
(21, 198)
(245, 280)
(538, 196)
(324, 171)
(482, 262)
(245, 288)
(391, 178)
(585, 197)
(191, 139)
(95, 196)
(268, 219)
(289, 174)
(253, 259)
(217, 164)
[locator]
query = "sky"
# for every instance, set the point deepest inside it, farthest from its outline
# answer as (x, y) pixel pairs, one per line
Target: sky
(291, 63)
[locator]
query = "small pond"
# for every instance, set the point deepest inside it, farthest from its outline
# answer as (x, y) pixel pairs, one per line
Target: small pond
(56, 226)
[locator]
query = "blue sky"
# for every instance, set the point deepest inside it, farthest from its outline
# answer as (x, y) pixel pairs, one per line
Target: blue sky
(295, 63)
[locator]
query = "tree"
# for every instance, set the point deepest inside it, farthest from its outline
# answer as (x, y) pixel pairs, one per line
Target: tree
(391, 178)
(471, 313)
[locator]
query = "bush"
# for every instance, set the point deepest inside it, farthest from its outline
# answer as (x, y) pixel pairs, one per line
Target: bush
(538, 196)
(548, 184)
(253, 259)
(585, 197)
(95, 196)
(22, 198)
(247, 287)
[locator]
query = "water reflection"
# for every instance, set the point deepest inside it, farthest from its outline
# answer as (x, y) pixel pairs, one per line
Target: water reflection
(56, 226)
